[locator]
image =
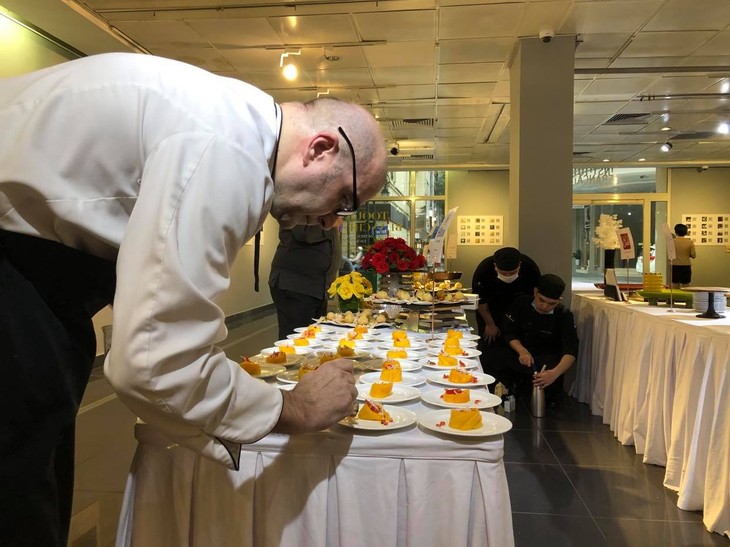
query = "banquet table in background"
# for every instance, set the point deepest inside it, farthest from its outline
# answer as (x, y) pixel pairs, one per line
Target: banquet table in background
(661, 381)
(333, 488)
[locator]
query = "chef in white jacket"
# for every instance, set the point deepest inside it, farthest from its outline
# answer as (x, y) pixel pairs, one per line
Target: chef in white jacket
(155, 173)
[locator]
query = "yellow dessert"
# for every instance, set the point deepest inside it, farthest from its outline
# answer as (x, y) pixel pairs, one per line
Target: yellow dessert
(405, 343)
(391, 371)
(461, 377)
(400, 335)
(354, 336)
(380, 390)
(346, 349)
(278, 357)
(374, 411)
(457, 334)
(361, 329)
(306, 368)
(465, 419)
(287, 349)
(309, 333)
(301, 342)
(324, 357)
(397, 354)
(254, 369)
(456, 395)
(446, 360)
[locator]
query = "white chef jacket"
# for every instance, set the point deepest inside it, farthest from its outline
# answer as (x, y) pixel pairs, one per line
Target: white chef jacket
(167, 169)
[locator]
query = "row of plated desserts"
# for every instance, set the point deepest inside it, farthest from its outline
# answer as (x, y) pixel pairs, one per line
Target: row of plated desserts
(398, 355)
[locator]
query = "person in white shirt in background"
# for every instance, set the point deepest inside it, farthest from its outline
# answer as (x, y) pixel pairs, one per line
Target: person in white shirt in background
(155, 173)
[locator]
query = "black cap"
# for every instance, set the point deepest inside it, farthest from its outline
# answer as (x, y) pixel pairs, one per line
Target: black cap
(551, 286)
(507, 259)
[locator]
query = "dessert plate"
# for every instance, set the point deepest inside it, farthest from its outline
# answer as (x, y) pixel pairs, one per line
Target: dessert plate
(312, 343)
(480, 398)
(409, 379)
(467, 353)
(432, 363)
(298, 350)
(401, 418)
(291, 359)
(415, 346)
(439, 343)
(377, 364)
(464, 336)
(289, 377)
(400, 394)
(481, 379)
(411, 354)
(438, 421)
(267, 371)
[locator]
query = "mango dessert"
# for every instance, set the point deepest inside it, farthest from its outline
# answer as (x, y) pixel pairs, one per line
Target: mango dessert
(277, 357)
(306, 368)
(405, 343)
(465, 419)
(327, 356)
(287, 349)
(451, 333)
(446, 360)
(309, 333)
(301, 342)
(399, 335)
(456, 395)
(391, 371)
(461, 377)
(346, 348)
(361, 329)
(374, 411)
(396, 354)
(380, 390)
(254, 369)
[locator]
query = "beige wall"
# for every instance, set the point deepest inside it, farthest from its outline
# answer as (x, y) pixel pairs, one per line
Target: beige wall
(703, 192)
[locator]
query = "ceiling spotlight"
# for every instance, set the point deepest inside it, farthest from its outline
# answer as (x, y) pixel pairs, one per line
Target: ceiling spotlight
(606, 159)
(288, 68)
(666, 128)
(725, 87)
(642, 159)
(666, 147)
(723, 128)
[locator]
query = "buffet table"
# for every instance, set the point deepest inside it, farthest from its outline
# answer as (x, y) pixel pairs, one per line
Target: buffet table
(661, 381)
(336, 487)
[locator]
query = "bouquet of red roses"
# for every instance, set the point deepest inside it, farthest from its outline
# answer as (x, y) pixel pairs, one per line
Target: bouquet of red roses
(392, 255)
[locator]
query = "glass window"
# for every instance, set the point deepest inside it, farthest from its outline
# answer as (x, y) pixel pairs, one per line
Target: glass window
(429, 215)
(397, 184)
(376, 220)
(430, 183)
(614, 180)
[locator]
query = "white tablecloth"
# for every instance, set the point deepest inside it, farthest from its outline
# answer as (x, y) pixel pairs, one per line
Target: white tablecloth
(333, 488)
(661, 381)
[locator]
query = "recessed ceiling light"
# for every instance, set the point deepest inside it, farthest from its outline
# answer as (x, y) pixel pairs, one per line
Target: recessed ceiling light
(666, 128)
(725, 87)
(642, 159)
(606, 159)
(723, 128)
(666, 147)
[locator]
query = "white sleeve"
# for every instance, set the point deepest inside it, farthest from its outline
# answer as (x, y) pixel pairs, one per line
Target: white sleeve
(200, 199)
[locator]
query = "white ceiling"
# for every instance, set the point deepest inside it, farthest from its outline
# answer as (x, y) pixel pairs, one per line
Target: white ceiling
(436, 72)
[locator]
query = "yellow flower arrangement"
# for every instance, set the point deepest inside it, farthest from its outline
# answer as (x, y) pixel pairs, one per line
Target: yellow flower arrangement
(351, 285)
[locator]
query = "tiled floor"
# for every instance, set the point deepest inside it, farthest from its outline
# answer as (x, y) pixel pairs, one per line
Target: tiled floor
(571, 482)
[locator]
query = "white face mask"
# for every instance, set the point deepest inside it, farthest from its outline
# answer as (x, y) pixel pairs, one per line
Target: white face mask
(508, 278)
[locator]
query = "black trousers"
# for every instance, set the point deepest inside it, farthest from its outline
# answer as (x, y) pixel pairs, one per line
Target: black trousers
(48, 294)
(294, 309)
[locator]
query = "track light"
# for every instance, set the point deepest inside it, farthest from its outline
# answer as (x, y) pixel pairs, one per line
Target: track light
(723, 128)
(288, 68)
(666, 147)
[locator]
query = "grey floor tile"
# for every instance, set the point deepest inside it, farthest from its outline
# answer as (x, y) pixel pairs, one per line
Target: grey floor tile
(539, 488)
(533, 530)
(626, 492)
(643, 533)
(109, 505)
(597, 448)
(570, 415)
(527, 446)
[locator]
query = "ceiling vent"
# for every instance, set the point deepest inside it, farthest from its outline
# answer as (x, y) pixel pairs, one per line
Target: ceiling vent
(426, 122)
(629, 119)
(694, 135)
(421, 157)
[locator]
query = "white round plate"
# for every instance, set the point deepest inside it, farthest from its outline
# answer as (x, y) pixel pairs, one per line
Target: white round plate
(415, 345)
(312, 343)
(363, 345)
(411, 354)
(432, 363)
(286, 387)
(298, 350)
(400, 394)
(463, 343)
(405, 365)
(409, 379)
(318, 338)
(267, 371)
(324, 329)
(492, 424)
(291, 359)
(480, 398)
(438, 378)
(467, 353)
(289, 377)
(401, 418)
(464, 336)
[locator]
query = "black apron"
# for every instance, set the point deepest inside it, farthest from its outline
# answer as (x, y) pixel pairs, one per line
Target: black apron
(48, 295)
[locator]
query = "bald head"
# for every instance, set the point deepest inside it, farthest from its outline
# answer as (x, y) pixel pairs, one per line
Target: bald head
(314, 175)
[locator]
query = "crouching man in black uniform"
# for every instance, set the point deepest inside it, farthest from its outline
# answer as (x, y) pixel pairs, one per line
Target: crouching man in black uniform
(541, 332)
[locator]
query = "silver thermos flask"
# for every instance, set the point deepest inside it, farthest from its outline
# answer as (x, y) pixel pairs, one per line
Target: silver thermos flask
(538, 400)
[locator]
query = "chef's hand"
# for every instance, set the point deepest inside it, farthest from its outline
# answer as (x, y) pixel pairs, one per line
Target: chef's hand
(491, 332)
(545, 378)
(526, 359)
(321, 398)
